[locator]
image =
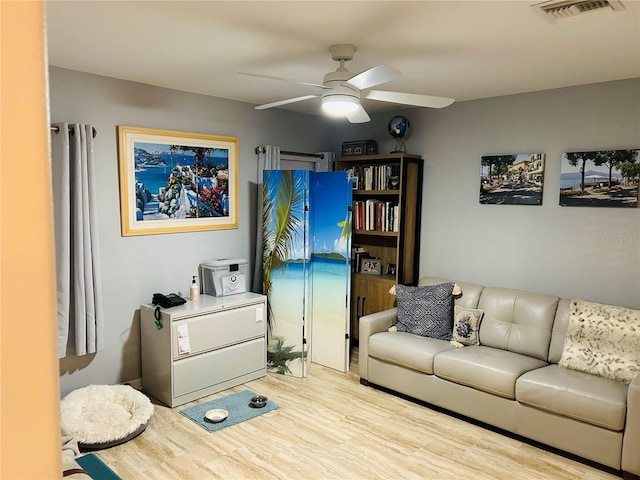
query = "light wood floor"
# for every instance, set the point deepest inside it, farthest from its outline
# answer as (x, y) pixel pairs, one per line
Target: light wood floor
(329, 426)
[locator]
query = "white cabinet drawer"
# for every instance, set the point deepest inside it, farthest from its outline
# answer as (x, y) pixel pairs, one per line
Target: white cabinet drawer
(223, 340)
(215, 330)
(202, 371)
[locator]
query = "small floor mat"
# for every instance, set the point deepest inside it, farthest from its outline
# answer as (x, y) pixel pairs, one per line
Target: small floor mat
(237, 404)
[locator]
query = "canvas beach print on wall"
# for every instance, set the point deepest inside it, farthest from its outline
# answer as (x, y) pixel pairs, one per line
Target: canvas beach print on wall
(513, 179)
(603, 178)
(176, 181)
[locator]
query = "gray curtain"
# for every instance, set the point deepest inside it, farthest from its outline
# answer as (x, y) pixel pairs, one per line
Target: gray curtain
(79, 286)
(268, 159)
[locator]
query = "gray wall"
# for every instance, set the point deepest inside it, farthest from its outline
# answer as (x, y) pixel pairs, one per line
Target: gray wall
(133, 268)
(589, 253)
(576, 252)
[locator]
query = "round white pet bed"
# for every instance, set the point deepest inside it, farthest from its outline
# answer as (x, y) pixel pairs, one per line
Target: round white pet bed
(101, 416)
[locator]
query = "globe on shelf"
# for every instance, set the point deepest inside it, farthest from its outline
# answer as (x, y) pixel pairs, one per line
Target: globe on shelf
(400, 129)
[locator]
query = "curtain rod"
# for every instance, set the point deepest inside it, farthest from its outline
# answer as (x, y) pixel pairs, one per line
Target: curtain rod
(260, 149)
(55, 128)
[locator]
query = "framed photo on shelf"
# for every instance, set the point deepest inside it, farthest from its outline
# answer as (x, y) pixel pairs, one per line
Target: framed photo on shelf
(176, 181)
(371, 266)
(391, 269)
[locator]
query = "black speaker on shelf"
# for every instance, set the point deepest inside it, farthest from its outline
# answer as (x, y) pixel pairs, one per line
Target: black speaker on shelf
(359, 147)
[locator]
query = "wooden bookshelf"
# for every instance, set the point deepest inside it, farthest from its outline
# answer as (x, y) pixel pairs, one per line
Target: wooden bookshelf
(370, 293)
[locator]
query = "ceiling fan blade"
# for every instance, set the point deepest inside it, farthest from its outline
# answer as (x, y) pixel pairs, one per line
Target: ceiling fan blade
(309, 84)
(373, 76)
(284, 102)
(409, 99)
(358, 116)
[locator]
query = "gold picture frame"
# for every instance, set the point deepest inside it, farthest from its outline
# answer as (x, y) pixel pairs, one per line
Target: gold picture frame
(173, 182)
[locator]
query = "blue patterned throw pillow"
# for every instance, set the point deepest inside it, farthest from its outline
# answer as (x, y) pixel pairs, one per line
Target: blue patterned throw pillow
(426, 311)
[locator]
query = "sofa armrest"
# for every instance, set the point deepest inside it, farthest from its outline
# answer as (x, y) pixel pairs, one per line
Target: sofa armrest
(631, 442)
(370, 324)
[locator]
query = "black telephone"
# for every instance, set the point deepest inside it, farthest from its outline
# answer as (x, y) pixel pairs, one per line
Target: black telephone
(168, 301)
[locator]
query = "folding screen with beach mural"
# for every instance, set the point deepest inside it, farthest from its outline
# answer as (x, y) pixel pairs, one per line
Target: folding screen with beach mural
(306, 238)
(600, 178)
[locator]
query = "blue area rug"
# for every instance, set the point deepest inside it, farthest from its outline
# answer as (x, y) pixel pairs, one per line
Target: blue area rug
(237, 404)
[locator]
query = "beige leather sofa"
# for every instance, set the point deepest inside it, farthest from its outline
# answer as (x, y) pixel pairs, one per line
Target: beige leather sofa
(512, 380)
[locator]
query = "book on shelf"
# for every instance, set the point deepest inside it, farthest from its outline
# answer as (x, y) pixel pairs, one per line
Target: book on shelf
(357, 254)
(377, 215)
(376, 177)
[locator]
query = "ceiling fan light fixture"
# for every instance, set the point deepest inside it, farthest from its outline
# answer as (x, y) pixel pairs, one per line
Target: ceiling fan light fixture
(338, 105)
(342, 89)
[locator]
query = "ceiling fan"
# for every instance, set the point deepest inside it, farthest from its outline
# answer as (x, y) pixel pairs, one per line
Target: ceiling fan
(342, 89)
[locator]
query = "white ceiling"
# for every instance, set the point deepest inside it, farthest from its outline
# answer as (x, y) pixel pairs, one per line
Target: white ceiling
(461, 49)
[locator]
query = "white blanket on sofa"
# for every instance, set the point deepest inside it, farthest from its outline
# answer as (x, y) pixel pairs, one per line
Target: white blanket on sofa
(603, 340)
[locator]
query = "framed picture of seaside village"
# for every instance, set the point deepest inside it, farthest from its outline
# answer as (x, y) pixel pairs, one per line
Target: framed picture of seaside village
(176, 181)
(512, 179)
(600, 178)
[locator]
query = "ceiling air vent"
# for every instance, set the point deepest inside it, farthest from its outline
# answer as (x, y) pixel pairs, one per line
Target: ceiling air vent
(558, 10)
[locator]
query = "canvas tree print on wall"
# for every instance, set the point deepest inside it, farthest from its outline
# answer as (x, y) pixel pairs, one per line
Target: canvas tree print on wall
(514, 179)
(603, 178)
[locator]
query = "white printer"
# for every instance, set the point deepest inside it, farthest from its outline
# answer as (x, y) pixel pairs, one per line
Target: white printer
(225, 276)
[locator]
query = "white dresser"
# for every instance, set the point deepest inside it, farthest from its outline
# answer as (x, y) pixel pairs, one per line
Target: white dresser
(203, 347)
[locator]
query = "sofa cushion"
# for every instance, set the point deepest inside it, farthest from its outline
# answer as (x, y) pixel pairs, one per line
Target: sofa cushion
(426, 311)
(484, 368)
(517, 321)
(603, 340)
(470, 291)
(584, 397)
(466, 323)
(407, 350)
(559, 331)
